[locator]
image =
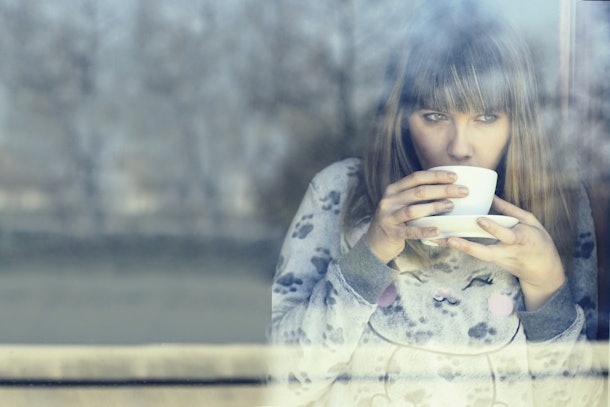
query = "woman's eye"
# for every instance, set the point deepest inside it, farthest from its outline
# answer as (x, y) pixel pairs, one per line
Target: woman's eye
(434, 117)
(487, 118)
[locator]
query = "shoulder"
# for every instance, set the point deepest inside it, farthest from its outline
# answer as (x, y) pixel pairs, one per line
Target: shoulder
(340, 176)
(332, 185)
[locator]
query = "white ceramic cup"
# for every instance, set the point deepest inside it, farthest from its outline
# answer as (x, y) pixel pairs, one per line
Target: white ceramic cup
(481, 182)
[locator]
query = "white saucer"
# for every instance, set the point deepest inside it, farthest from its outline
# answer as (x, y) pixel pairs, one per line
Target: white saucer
(462, 225)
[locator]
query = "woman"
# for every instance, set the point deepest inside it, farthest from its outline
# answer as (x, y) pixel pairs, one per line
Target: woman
(371, 316)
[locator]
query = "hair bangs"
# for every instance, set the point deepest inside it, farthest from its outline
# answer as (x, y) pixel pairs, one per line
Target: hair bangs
(469, 80)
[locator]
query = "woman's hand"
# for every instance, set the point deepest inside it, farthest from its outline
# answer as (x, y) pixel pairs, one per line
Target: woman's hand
(421, 194)
(526, 251)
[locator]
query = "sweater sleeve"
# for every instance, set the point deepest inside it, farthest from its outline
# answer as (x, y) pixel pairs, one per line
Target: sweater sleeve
(556, 318)
(583, 276)
(320, 303)
(558, 333)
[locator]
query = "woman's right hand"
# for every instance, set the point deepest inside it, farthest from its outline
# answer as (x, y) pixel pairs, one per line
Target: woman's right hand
(421, 194)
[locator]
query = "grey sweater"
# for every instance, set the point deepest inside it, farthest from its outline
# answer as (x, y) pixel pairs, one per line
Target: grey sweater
(450, 332)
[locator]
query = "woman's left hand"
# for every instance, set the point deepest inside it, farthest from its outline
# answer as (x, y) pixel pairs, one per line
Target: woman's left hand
(526, 251)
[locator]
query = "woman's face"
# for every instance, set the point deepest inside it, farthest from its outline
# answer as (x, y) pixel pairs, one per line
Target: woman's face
(453, 138)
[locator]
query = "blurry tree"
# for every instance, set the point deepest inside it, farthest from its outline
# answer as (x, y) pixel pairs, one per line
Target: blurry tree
(190, 116)
(171, 68)
(51, 73)
(199, 108)
(189, 98)
(85, 142)
(328, 60)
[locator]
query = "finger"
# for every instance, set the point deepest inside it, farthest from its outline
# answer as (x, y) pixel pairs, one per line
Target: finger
(412, 212)
(422, 194)
(477, 250)
(422, 178)
(417, 233)
(507, 208)
(503, 234)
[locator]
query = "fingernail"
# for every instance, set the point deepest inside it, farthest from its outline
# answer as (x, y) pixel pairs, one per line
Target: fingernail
(431, 232)
(447, 205)
(453, 243)
(462, 191)
(483, 222)
(452, 176)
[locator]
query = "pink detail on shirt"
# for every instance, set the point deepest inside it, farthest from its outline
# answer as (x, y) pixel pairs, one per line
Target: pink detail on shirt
(500, 305)
(388, 296)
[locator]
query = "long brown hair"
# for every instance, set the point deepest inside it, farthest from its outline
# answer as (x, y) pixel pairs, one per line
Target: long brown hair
(454, 58)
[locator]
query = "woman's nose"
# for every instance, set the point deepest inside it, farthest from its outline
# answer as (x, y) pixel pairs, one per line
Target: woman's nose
(459, 146)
